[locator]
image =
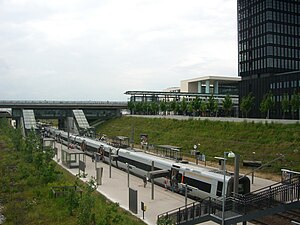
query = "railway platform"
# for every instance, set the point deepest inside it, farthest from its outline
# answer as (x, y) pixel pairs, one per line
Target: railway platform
(116, 189)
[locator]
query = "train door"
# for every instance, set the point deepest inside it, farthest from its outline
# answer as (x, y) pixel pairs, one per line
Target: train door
(101, 153)
(175, 178)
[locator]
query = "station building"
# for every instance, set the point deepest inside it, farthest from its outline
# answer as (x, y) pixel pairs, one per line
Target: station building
(202, 87)
(217, 85)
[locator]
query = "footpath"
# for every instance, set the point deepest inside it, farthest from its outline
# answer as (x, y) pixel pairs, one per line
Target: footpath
(116, 189)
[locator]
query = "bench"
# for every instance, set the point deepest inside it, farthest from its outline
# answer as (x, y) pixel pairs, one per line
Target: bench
(249, 163)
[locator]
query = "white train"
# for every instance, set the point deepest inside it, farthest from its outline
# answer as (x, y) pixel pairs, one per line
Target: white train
(202, 182)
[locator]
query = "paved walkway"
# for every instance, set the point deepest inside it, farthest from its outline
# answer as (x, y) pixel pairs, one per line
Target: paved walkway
(116, 189)
(223, 119)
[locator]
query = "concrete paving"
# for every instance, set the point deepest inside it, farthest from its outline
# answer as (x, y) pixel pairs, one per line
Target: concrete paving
(223, 119)
(116, 189)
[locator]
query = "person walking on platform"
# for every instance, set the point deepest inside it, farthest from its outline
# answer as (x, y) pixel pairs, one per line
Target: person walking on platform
(166, 183)
(145, 181)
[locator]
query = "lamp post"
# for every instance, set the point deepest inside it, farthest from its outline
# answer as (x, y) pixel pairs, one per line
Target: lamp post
(196, 152)
(127, 164)
(109, 162)
(229, 155)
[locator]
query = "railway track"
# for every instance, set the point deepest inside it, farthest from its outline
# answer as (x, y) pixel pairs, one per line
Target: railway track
(284, 218)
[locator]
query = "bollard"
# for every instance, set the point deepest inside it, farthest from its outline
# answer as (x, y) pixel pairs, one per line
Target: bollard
(99, 173)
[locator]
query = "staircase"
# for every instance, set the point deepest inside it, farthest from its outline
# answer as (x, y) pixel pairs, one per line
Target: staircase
(277, 198)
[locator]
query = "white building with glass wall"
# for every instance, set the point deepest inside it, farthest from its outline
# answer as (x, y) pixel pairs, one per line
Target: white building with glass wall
(217, 85)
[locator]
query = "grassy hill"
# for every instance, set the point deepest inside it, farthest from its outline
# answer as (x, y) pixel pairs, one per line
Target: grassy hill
(27, 175)
(268, 141)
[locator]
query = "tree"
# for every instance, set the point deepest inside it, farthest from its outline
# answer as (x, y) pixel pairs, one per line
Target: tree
(295, 103)
(183, 106)
(146, 108)
(168, 107)
(131, 107)
(111, 215)
(72, 200)
(163, 107)
(203, 108)
(177, 108)
(212, 105)
(285, 104)
(32, 147)
(138, 107)
(267, 104)
(190, 108)
(173, 105)
(227, 104)
(246, 104)
(154, 108)
(41, 157)
(196, 104)
(86, 204)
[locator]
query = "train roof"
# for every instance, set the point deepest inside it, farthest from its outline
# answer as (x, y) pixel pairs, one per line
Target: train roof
(186, 167)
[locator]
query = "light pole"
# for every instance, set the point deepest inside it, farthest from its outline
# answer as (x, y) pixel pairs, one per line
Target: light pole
(229, 155)
(109, 162)
(127, 174)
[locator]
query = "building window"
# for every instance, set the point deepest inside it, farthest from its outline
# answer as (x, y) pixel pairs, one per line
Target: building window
(270, 50)
(269, 27)
(270, 62)
(269, 39)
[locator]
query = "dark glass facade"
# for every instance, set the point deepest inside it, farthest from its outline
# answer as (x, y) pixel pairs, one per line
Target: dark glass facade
(269, 49)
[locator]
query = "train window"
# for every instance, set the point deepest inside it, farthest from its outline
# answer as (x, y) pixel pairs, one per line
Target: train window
(219, 188)
(137, 164)
(241, 189)
(244, 185)
(203, 186)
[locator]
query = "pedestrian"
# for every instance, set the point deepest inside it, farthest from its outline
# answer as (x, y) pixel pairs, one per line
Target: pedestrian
(166, 183)
(173, 182)
(145, 181)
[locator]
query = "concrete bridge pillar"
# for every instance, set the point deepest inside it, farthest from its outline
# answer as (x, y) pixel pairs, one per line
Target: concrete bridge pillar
(61, 124)
(67, 123)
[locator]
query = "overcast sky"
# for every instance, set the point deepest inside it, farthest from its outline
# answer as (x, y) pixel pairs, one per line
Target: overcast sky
(98, 49)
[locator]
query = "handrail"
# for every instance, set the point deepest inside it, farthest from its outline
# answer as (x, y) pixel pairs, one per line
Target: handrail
(273, 195)
(189, 212)
(273, 185)
(168, 212)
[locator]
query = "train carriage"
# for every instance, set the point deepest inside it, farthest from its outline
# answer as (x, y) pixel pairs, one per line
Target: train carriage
(202, 182)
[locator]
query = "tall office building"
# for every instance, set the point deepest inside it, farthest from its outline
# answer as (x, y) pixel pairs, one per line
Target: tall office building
(269, 50)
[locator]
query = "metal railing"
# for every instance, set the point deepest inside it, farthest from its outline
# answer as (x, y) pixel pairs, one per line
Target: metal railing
(268, 197)
(189, 212)
(271, 196)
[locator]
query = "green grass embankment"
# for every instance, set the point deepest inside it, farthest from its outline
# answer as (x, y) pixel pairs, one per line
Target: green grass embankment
(26, 200)
(268, 141)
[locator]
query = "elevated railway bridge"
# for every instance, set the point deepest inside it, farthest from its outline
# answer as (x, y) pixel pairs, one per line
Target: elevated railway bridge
(70, 114)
